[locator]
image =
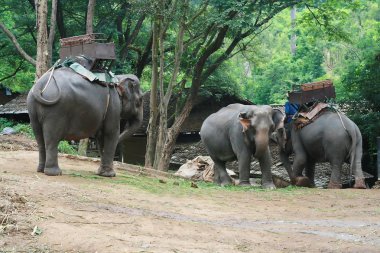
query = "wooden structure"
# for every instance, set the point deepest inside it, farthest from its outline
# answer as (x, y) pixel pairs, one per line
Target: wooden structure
(310, 92)
(91, 46)
(134, 147)
(6, 95)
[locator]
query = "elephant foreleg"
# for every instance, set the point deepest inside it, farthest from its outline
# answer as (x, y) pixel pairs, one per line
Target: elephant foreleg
(265, 166)
(221, 176)
(106, 166)
(244, 160)
(284, 157)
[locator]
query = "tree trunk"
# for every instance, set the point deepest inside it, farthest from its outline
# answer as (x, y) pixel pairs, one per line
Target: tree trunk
(17, 45)
(163, 109)
(90, 17)
(60, 21)
(83, 144)
(293, 39)
(53, 21)
(152, 134)
(165, 143)
(42, 64)
(82, 148)
(172, 135)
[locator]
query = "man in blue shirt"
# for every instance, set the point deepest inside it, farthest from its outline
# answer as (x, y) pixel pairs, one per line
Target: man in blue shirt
(290, 110)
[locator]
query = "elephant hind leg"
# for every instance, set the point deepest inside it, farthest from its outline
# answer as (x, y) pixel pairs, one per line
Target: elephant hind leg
(37, 130)
(310, 171)
(307, 181)
(335, 179)
(51, 146)
(221, 176)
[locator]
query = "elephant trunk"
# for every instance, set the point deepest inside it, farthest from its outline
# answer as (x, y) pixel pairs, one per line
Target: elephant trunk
(129, 130)
(261, 142)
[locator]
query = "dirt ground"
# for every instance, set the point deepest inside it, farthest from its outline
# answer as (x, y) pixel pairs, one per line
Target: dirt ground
(80, 212)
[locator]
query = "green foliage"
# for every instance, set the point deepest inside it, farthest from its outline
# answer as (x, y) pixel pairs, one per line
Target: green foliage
(18, 127)
(65, 147)
(25, 129)
(5, 123)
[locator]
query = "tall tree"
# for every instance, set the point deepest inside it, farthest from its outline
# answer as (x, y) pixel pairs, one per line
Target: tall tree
(165, 95)
(153, 115)
(90, 17)
(42, 63)
(44, 41)
(213, 35)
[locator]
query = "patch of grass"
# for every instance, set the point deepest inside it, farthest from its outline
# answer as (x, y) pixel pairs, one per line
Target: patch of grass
(65, 147)
(179, 186)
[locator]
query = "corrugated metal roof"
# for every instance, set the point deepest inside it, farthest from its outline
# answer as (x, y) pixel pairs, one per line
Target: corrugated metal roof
(202, 109)
(15, 106)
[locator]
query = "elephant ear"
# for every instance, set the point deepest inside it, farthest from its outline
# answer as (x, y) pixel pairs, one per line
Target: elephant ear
(244, 121)
(128, 84)
(278, 119)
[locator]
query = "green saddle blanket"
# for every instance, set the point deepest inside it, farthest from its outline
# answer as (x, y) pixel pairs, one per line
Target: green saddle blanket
(106, 77)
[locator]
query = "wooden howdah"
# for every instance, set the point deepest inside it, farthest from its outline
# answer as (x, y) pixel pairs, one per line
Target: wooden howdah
(89, 45)
(316, 91)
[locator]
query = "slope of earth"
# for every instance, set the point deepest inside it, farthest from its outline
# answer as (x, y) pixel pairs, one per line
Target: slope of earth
(81, 212)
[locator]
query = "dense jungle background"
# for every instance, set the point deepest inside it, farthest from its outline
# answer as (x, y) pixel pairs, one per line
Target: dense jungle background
(254, 50)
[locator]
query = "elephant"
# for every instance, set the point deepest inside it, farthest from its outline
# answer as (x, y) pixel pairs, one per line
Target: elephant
(64, 105)
(332, 137)
(236, 132)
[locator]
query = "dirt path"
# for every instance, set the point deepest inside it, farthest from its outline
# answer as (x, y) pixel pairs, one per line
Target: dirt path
(80, 212)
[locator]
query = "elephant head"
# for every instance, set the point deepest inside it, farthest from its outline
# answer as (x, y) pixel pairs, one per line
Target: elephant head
(282, 138)
(132, 104)
(258, 123)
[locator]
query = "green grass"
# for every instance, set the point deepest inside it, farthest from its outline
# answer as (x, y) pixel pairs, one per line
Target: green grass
(178, 186)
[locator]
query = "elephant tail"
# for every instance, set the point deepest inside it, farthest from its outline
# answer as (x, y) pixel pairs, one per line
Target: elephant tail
(355, 153)
(354, 138)
(37, 92)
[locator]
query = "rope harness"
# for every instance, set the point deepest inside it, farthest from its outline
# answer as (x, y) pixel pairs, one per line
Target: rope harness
(67, 63)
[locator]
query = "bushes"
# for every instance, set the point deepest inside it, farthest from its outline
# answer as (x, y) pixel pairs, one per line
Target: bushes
(5, 123)
(63, 147)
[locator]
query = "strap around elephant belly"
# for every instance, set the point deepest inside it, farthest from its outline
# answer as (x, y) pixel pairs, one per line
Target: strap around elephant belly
(108, 103)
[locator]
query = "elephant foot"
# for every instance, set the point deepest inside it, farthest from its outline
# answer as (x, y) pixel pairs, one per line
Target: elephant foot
(244, 183)
(226, 182)
(41, 168)
(53, 171)
(334, 185)
(360, 183)
(105, 171)
(268, 186)
(303, 182)
(223, 181)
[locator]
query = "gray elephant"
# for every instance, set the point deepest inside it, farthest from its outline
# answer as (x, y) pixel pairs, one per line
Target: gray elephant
(238, 132)
(65, 105)
(333, 138)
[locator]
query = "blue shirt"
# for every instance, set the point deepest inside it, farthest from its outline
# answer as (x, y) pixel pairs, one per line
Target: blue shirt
(290, 110)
